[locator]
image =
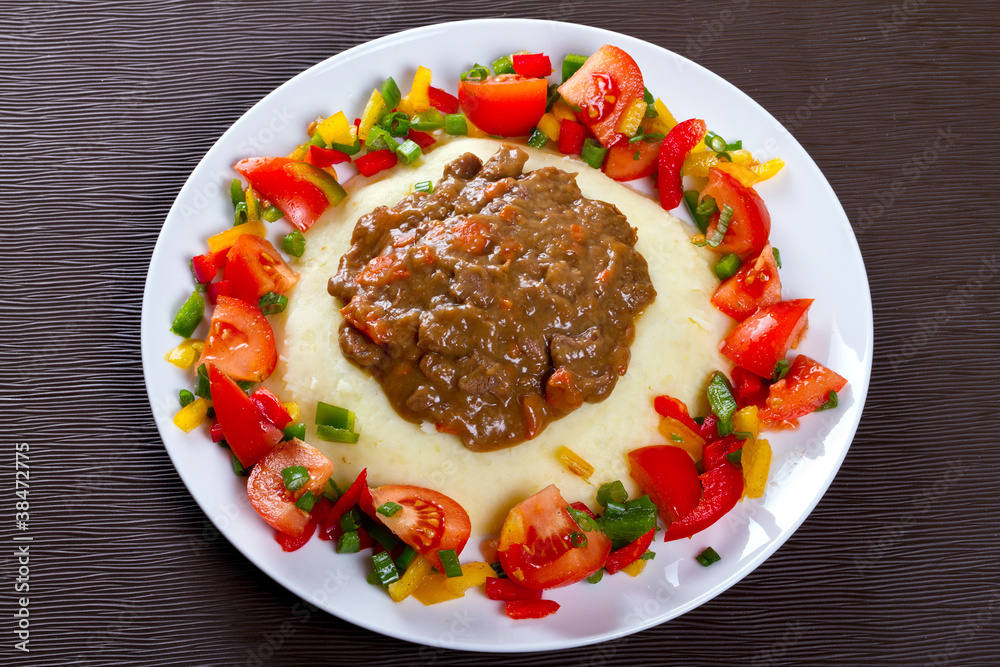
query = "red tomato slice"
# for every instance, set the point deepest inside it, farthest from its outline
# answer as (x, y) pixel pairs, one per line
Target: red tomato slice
(806, 387)
(603, 88)
(254, 267)
(240, 341)
(535, 548)
(428, 521)
(761, 340)
(627, 162)
(669, 476)
(754, 286)
(266, 486)
(723, 488)
(301, 190)
(507, 105)
(750, 225)
(249, 433)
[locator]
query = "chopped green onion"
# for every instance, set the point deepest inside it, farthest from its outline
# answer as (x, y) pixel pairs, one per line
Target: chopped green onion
(389, 508)
(306, 502)
(186, 397)
(642, 503)
(295, 477)
(201, 384)
(334, 415)
(390, 93)
(725, 157)
(333, 434)
(578, 539)
(294, 243)
(245, 385)
(350, 149)
(715, 142)
(781, 369)
(708, 556)
(349, 543)
(735, 457)
(649, 555)
(477, 73)
(777, 256)
(727, 266)
(571, 63)
(720, 397)
(596, 577)
(379, 138)
(735, 146)
(406, 556)
(593, 153)
(350, 520)
(396, 123)
(630, 525)
(236, 192)
(699, 212)
(454, 123)
(238, 467)
(538, 139)
(648, 98)
(830, 403)
(317, 140)
(724, 427)
(189, 316)
(408, 151)
(331, 491)
(427, 121)
(614, 507)
(503, 65)
(423, 186)
(743, 435)
(272, 303)
(293, 431)
(382, 535)
(552, 95)
(449, 561)
(611, 491)
(582, 519)
(272, 213)
(385, 568)
(373, 579)
(240, 216)
(498, 568)
(720, 230)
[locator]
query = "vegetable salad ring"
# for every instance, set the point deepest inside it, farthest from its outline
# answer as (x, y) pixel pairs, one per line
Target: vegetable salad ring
(602, 112)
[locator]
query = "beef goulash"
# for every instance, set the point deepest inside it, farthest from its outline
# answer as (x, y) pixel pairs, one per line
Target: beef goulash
(495, 304)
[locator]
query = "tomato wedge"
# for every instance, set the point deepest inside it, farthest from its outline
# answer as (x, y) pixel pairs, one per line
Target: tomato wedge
(248, 431)
(604, 87)
(536, 548)
(428, 521)
(507, 105)
(627, 162)
(753, 287)
(668, 475)
(254, 267)
(806, 387)
(301, 190)
(761, 340)
(750, 225)
(266, 486)
(240, 341)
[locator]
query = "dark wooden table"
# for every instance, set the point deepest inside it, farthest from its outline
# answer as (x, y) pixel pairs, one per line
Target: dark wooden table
(106, 107)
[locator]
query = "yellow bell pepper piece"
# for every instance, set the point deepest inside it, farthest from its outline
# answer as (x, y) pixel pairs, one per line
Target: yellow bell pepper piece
(293, 410)
(192, 415)
(746, 421)
(337, 129)
(403, 588)
(549, 124)
(698, 163)
(576, 464)
(742, 156)
(370, 115)
(420, 90)
(663, 113)
(184, 354)
(253, 211)
(768, 169)
(228, 238)
(435, 587)
(630, 120)
(563, 111)
(744, 175)
(406, 106)
(756, 461)
(679, 435)
(473, 574)
(635, 568)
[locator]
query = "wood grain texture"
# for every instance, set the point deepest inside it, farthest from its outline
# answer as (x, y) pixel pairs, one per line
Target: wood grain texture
(105, 108)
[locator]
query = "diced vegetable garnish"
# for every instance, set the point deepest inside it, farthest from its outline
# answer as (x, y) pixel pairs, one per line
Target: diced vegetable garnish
(708, 556)
(189, 316)
(192, 415)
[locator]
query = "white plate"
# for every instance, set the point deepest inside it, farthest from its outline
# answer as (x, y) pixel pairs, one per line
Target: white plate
(821, 260)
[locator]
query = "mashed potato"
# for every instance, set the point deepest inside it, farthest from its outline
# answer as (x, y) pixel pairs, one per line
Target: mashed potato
(675, 348)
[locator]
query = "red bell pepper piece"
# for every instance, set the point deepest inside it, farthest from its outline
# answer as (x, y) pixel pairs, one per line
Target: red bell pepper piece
(519, 609)
(215, 431)
(250, 435)
(716, 452)
(421, 139)
(330, 528)
(532, 65)
(571, 137)
(206, 267)
(270, 406)
(748, 388)
(442, 101)
(723, 487)
(668, 406)
(709, 429)
(506, 590)
(301, 190)
(668, 475)
(376, 161)
(325, 157)
(619, 559)
(292, 543)
(682, 138)
(214, 290)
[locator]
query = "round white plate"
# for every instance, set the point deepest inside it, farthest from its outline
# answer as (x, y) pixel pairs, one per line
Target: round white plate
(821, 260)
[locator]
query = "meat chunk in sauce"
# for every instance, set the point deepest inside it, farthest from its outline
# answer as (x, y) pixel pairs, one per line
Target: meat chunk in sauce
(494, 305)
